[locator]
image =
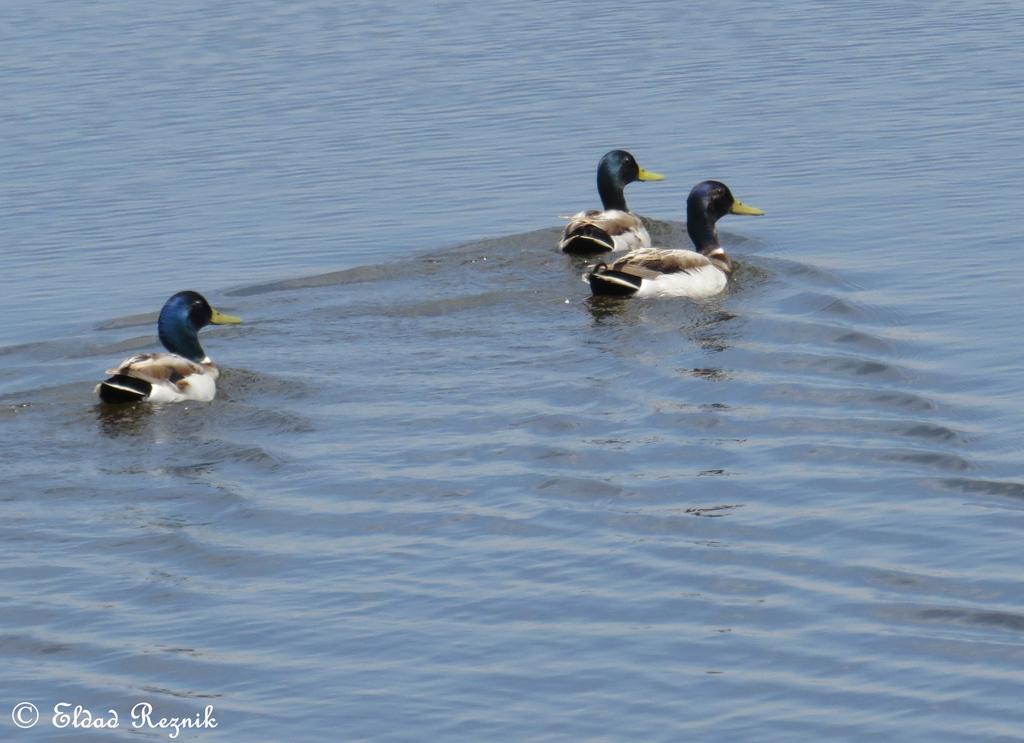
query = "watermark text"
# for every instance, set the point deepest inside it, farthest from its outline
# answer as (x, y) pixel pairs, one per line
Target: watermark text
(142, 716)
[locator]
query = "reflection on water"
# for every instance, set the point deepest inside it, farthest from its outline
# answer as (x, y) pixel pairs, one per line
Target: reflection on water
(605, 309)
(127, 420)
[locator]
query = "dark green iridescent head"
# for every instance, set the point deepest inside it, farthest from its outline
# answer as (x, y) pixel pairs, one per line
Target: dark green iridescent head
(617, 170)
(181, 319)
(708, 202)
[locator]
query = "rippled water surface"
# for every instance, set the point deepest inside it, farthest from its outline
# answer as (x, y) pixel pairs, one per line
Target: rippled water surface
(442, 493)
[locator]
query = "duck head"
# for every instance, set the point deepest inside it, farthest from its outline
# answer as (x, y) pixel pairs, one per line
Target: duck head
(708, 202)
(615, 171)
(181, 319)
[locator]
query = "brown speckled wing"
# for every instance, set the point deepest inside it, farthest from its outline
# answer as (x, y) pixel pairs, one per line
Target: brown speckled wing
(651, 262)
(158, 367)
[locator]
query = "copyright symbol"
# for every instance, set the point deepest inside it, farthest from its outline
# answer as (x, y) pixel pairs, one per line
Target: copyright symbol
(25, 715)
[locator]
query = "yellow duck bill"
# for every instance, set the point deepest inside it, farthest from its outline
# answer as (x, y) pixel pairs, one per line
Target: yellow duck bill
(219, 318)
(649, 175)
(738, 207)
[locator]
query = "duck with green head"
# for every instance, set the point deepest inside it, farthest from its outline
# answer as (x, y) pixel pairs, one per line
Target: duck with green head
(185, 373)
(662, 272)
(615, 227)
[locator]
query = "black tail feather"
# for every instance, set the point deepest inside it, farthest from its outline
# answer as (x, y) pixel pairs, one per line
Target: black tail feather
(122, 388)
(587, 239)
(607, 282)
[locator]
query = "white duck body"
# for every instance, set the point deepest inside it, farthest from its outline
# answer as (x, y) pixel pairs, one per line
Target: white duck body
(170, 378)
(660, 272)
(612, 229)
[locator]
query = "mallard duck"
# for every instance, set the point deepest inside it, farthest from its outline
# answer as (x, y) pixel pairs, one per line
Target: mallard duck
(661, 272)
(186, 373)
(614, 228)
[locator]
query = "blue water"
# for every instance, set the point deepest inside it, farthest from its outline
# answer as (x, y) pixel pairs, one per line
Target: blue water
(442, 493)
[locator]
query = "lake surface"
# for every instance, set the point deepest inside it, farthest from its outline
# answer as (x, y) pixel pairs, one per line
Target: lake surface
(443, 494)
